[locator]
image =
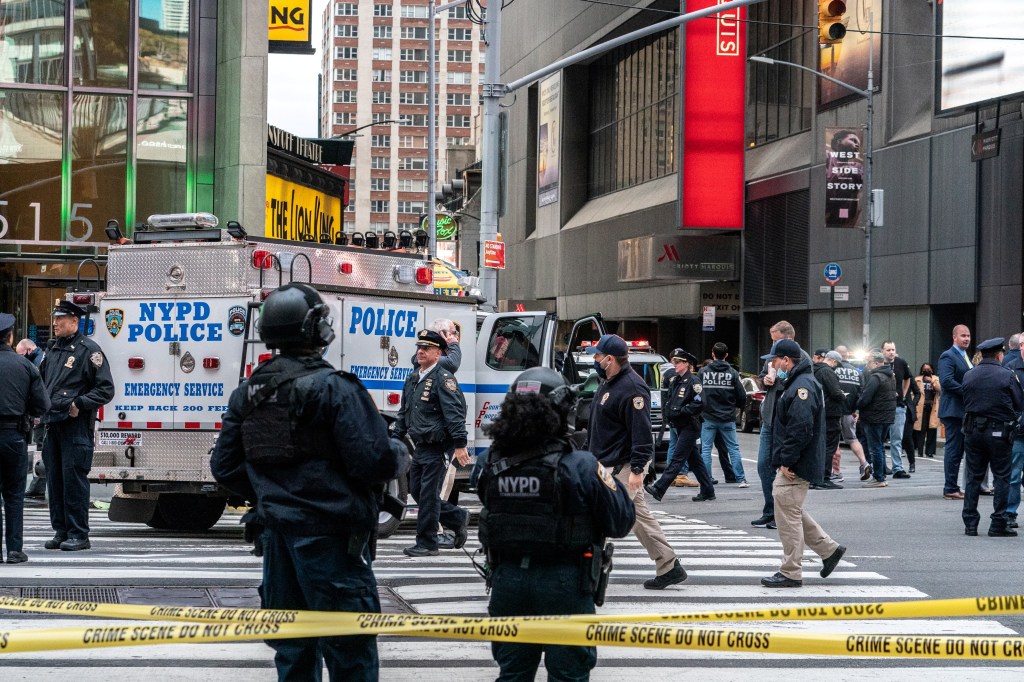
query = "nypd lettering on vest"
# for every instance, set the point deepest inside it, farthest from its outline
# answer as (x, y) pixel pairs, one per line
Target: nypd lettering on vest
(716, 379)
(174, 321)
(380, 321)
(518, 486)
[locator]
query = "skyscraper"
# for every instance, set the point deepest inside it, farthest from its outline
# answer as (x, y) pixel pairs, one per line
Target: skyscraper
(375, 65)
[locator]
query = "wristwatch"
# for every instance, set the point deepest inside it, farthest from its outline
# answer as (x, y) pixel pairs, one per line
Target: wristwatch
(636, 470)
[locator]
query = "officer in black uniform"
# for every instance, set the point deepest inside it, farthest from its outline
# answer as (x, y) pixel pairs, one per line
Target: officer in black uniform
(682, 410)
(547, 512)
(993, 399)
(307, 445)
(22, 397)
(78, 381)
(433, 414)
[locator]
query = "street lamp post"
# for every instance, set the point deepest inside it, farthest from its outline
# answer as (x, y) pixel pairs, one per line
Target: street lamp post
(869, 153)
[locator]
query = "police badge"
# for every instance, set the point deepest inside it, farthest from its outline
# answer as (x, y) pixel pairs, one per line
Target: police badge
(115, 321)
(638, 402)
(451, 385)
(802, 393)
(96, 359)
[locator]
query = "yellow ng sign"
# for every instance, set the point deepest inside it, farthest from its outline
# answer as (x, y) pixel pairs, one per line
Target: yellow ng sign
(289, 25)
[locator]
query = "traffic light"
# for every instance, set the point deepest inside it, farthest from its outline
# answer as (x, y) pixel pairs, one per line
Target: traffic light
(831, 22)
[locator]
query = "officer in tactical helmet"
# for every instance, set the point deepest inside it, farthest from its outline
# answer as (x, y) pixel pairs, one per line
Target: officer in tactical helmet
(547, 512)
(306, 444)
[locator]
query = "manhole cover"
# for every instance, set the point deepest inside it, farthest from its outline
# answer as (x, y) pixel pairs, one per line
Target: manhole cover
(106, 595)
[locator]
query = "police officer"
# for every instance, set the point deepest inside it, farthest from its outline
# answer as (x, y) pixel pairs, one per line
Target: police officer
(307, 445)
(22, 397)
(547, 511)
(620, 438)
(78, 381)
(433, 415)
(993, 399)
(682, 410)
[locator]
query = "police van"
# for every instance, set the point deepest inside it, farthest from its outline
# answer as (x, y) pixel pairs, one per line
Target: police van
(177, 320)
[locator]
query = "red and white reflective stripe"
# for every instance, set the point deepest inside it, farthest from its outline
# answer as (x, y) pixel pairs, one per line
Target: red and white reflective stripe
(155, 426)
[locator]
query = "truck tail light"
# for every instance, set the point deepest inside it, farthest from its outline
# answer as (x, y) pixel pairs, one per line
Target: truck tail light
(82, 299)
(211, 363)
(345, 268)
(263, 358)
(394, 398)
(136, 363)
(424, 275)
(248, 370)
(262, 260)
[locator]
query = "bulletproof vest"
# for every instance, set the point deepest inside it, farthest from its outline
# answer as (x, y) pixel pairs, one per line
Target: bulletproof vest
(849, 382)
(524, 513)
(270, 431)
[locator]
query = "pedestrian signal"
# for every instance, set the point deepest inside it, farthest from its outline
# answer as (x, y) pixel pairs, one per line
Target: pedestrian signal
(831, 22)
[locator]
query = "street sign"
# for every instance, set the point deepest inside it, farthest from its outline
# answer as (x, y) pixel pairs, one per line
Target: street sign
(842, 297)
(842, 289)
(833, 273)
(825, 288)
(494, 254)
(709, 318)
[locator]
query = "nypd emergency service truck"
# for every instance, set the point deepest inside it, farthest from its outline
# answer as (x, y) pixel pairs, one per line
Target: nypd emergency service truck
(177, 321)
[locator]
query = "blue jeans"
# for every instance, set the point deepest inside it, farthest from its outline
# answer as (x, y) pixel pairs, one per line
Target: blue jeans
(875, 435)
(952, 453)
(896, 439)
(765, 470)
(1013, 501)
(673, 438)
(707, 441)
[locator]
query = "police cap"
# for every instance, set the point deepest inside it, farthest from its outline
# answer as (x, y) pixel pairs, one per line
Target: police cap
(821, 352)
(610, 344)
(67, 308)
(6, 324)
(685, 356)
(783, 348)
(995, 344)
(428, 338)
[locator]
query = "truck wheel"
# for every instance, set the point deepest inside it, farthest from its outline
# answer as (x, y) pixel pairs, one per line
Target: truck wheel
(186, 511)
(388, 523)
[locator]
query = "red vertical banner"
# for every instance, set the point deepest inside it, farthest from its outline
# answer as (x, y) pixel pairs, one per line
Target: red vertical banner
(714, 64)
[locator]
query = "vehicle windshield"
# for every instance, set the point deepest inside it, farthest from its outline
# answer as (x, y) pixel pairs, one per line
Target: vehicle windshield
(649, 370)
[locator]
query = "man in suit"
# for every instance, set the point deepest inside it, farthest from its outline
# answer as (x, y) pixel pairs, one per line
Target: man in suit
(953, 365)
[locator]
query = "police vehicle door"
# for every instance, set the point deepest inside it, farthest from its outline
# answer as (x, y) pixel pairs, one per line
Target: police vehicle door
(586, 330)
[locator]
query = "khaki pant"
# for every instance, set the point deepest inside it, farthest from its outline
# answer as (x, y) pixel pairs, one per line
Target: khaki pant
(647, 529)
(796, 527)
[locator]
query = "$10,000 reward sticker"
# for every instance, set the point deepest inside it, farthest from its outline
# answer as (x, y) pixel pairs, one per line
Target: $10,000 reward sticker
(120, 438)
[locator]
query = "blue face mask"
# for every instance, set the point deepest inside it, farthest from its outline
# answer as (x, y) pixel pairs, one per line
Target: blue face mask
(600, 370)
(782, 375)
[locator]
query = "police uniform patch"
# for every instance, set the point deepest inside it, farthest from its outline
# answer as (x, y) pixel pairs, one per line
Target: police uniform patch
(451, 385)
(697, 388)
(71, 362)
(682, 391)
(96, 359)
(638, 403)
(802, 393)
(605, 397)
(605, 476)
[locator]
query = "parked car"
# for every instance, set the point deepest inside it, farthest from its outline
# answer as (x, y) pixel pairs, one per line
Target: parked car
(749, 416)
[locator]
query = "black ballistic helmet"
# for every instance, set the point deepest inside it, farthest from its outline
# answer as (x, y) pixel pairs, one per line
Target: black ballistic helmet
(546, 381)
(295, 316)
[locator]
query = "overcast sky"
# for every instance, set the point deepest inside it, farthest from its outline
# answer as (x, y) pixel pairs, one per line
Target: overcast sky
(291, 84)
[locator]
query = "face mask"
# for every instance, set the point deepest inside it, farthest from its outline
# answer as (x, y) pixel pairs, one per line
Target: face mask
(782, 375)
(600, 370)
(927, 373)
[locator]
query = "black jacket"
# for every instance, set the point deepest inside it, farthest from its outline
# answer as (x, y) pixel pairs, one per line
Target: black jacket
(877, 402)
(75, 371)
(683, 402)
(620, 421)
(850, 381)
(433, 409)
(798, 424)
(327, 495)
(835, 399)
(722, 391)
(21, 387)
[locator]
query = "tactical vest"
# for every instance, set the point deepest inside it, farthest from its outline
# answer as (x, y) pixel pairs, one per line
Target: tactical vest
(524, 513)
(270, 431)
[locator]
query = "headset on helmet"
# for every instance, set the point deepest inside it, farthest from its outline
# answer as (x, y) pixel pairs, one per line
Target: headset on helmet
(546, 381)
(295, 315)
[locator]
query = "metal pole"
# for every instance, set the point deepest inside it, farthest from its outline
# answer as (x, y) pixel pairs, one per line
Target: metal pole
(832, 317)
(870, 149)
(432, 131)
(492, 92)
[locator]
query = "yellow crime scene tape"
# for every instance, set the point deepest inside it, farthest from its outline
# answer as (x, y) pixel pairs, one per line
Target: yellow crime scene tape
(234, 625)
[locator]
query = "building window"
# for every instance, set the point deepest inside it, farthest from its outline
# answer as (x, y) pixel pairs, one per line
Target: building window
(483, 57)
(412, 142)
(346, 53)
(407, 185)
(460, 34)
(380, 162)
(379, 227)
(382, 53)
(412, 98)
(414, 32)
(380, 140)
(380, 116)
(382, 31)
(382, 97)
(344, 118)
(411, 227)
(382, 10)
(459, 78)
(458, 12)
(779, 100)
(380, 206)
(411, 207)
(414, 11)
(346, 9)
(382, 75)
(413, 55)
(460, 55)
(344, 74)
(458, 121)
(412, 163)
(459, 99)
(775, 271)
(344, 96)
(633, 114)
(413, 77)
(346, 31)
(380, 184)
(458, 141)
(412, 120)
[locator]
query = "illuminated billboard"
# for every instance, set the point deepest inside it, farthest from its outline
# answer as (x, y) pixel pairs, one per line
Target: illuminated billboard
(984, 62)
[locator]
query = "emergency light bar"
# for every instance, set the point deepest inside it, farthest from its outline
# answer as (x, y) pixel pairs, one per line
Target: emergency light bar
(640, 345)
(173, 221)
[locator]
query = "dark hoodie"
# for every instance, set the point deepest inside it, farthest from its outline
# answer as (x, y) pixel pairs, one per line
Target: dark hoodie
(721, 391)
(877, 402)
(798, 424)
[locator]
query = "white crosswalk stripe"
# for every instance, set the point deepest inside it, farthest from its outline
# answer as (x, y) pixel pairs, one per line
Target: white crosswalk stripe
(724, 566)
